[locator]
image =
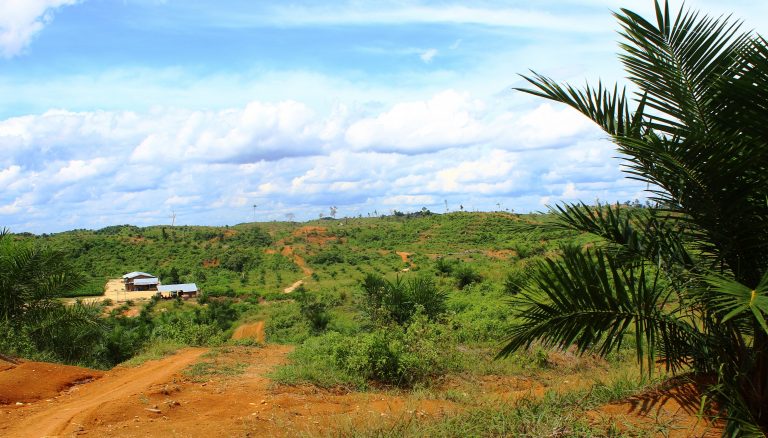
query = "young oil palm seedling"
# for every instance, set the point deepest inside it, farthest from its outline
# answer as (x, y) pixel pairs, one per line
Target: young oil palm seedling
(687, 279)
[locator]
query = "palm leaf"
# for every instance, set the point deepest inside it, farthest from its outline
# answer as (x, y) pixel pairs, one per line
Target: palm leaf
(731, 299)
(588, 300)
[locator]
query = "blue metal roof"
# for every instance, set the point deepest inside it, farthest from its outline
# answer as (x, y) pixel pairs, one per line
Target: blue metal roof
(144, 281)
(186, 287)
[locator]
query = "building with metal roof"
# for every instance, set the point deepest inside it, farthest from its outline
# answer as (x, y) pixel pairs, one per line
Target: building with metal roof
(186, 290)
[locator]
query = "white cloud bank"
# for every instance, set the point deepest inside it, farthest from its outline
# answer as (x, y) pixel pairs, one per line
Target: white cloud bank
(21, 20)
(210, 167)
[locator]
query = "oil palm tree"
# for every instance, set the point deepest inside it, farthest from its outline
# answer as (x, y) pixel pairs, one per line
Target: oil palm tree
(688, 278)
(33, 320)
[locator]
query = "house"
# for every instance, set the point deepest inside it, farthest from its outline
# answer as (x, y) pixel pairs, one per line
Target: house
(186, 290)
(139, 281)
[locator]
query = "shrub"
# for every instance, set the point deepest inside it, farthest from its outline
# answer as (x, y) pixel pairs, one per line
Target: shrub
(398, 356)
(443, 266)
(313, 310)
(386, 302)
(466, 275)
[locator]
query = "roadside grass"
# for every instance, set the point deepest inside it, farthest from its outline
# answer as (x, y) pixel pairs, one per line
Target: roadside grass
(553, 414)
(206, 370)
(155, 350)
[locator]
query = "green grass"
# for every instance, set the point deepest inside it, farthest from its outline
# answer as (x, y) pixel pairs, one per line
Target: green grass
(204, 371)
(155, 350)
(552, 415)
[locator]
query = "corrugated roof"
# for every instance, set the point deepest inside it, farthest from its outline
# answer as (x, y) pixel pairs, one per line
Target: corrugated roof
(136, 274)
(187, 287)
(144, 281)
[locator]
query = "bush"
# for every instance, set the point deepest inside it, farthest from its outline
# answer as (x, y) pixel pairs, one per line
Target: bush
(397, 356)
(466, 275)
(313, 310)
(387, 302)
(443, 266)
(514, 282)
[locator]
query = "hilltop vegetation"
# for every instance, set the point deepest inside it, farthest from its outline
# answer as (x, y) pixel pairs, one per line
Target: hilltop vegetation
(456, 270)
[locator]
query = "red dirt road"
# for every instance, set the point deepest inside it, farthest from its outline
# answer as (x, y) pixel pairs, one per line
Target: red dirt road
(63, 416)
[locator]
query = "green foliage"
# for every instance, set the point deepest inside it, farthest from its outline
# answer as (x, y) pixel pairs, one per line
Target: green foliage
(443, 266)
(314, 310)
(398, 356)
(514, 282)
(385, 301)
(465, 275)
(286, 323)
(687, 276)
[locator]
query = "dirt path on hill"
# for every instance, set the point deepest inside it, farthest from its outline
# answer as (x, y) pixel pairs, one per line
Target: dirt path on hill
(293, 287)
(297, 259)
(250, 331)
(66, 415)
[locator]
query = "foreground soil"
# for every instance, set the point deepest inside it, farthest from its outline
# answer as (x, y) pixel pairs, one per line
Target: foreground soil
(227, 392)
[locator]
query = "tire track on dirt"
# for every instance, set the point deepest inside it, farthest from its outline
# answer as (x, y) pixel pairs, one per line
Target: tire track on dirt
(62, 417)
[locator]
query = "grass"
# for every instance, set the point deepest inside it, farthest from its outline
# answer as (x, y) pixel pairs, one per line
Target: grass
(157, 349)
(204, 371)
(555, 414)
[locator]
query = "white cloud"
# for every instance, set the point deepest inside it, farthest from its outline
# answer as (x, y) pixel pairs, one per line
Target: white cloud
(410, 200)
(21, 20)
(76, 170)
(428, 14)
(212, 166)
(450, 118)
(428, 55)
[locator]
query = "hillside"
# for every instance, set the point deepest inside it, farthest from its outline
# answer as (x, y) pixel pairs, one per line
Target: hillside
(267, 257)
(368, 326)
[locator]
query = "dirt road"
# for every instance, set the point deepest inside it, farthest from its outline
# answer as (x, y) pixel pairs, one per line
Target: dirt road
(64, 416)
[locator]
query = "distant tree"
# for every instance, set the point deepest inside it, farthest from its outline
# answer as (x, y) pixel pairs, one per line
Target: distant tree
(173, 275)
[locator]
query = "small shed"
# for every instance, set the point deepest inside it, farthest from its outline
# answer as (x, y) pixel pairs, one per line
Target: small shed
(186, 290)
(140, 281)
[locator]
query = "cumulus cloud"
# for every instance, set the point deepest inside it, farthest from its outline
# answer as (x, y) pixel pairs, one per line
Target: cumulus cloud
(21, 20)
(213, 166)
(450, 118)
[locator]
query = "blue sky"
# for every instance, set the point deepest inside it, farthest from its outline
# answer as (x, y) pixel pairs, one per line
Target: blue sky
(128, 111)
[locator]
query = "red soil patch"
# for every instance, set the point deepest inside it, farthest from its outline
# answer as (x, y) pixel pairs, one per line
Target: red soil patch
(250, 331)
(118, 392)
(212, 263)
(315, 235)
(675, 405)
(32, 381)
(503, 254)
(132, 312)
(154, 400)
(297, 259)
(404, 255)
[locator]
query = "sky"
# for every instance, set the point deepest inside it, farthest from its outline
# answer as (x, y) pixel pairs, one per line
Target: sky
(230, 111)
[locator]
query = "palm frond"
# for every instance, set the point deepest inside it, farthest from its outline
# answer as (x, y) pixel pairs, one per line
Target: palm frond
(587, 300)
(637, 234)
(731, 299)
(609, 109)
(676, 61)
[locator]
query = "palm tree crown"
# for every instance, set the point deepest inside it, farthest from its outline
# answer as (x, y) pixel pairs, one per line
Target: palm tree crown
(689, 277)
